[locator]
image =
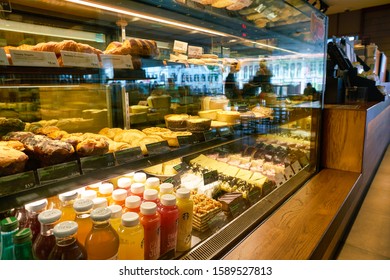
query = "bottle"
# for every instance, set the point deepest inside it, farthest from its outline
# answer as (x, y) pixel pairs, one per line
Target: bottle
(119, 197)
(131, 238)
(23, 245)
(102, 241)
(21, 214)
(99, 202)
(83, 208)
(94, 187)
(165, 188)
(152, 196)
(132, 204)
(33, 210)
(67, 199)
(152, 183)
(169, 220)
(151, 221)
(124, 183)
(105, 190)
(88, 194)
(139, 177)
(116, 216)
(46, 240)
(9, 226)
(137, 189)
(53, 202)
(67, 247)
(184, 229)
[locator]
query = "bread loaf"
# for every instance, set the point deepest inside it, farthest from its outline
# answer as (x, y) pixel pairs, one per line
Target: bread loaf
(11, 161)
(92, 147)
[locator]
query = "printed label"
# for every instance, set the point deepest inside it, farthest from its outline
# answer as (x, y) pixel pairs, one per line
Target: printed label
(31, 58)
(77, 59)
(180, 47)
(195, 51)
(3, 58)
(117, 61)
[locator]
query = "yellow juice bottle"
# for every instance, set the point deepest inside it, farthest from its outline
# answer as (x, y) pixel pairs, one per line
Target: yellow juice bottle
(105, 190)
(184, 232)
(67, 199)
(83, 208)
(131, 238)
(116, 216)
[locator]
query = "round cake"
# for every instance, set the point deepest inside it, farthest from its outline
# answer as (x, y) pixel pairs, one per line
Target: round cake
(229, 117)
(176, 122)
(198, 124)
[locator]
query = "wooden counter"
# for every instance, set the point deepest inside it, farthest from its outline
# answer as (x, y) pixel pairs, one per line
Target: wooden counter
(312, 222)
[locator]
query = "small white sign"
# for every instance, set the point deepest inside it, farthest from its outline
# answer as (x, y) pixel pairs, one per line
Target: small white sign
(76, 59)
(289, 172)
(296, 166)
(180, 47)
(116, 61)
(3, 58)
(195, 51)
(279, 179)
(33, 58)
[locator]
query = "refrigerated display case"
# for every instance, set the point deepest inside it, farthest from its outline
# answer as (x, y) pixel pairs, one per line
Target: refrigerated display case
(126, 86)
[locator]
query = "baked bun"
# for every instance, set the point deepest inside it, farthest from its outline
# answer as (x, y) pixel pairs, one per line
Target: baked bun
(92, 147)
(11, 161)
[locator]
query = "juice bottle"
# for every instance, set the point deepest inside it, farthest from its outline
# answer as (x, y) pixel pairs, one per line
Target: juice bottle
(21, 214)
(165, 188)
(139, 177)
(94, 187)
(119, 197)
(137, 189)
(151, 221)
(124, 183)
(169, 221)
(67, 247)
(45, 240)
(67, 199)
(99, 202)
(152, 196)
(23, 245)
(184, 231)
(9, 226)
(116, 216)
(105, 190)
(152, 183)
(88, 194)
(83, 208)
(53, 202)
(102, 241)
(131, 238)
(33, 210)
(132, 204)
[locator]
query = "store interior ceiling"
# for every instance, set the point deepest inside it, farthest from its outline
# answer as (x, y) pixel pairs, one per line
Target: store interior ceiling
(341, 6)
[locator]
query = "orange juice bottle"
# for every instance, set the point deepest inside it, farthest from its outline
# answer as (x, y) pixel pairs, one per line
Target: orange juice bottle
(125, 184)
(116, 216)
(132, 204)
(152, 183)
(67, 199)
(83, 208)
(151, 195)
(105, 190)
(94, 187)
(88, 194)
(102, 242)
(131, 238)
(139, 177)
(184, 230)
(99, 202)
(119, 197)
(165, 188)
(151, 221)
(137, 189)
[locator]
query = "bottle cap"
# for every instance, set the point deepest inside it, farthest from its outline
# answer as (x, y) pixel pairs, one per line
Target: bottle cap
(22, 236)
(68, 196)
(49, 216)
(99, 202)
(137, 188)
(132, 201)
(88, 194)
(124, 183)
(183, 193)
(116, 211)
(152, 183)
(106, 188)
(101, 214)
(139, 177)
(130, 219)
(95, 186)
(119, 195)
(148, 208)
(36, 205)
(65, 229)
(9, 224)
(168, 200)
(129, 175)
(150, 194)
(83, 204)
(166, 188)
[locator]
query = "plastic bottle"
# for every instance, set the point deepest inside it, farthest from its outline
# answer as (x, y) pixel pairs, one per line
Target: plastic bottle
(124, 183)
(23, 245)
(152, 183)
(21, 214)
(152, 196)
(131, 238)
(139, 177)
(45, 240)
(165, 188)
(116, 216)
(94, 187)
(88, 194)
(9, 226)
(119, 197)
(151, 221)
(99, 202)
(132, 204)
(184, 230)
(105, 190)
(169, 221)
(83, 208)
(102, 241)
(137, 189)
(67, 247)
(67, 199)
(33, 210)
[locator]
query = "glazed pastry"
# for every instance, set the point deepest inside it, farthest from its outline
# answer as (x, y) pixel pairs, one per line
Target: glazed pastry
(11, 161)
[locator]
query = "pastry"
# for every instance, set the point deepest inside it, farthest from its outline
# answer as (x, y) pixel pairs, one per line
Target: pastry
(11, 161)
(171, 137)
(148, 140)
(10, 125)
(92, 147)
(222, 3)
(17, 145)
(156, 131)
(208, 114)
(229, 117)
(198, 124)
(176, 122)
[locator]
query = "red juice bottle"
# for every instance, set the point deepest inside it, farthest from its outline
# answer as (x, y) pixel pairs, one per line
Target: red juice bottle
(169, 223)
(33, 210)
(132, 204)
(151, 221)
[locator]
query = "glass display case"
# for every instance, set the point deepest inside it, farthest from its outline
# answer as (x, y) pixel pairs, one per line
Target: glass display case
(211, 96)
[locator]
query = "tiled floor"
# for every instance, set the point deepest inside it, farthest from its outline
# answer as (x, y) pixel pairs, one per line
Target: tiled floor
(369, 237)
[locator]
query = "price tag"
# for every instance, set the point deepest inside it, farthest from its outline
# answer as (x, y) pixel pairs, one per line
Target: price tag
(210, 177)
(174, 180)
(304, 161)
(184, 140)
(209, 135)
(289, 172)
(254, 195)
(181, 167)
(225, 131)
(279, 179)
(31, 58)
(3, 58)
(17, 183)
(268, 187)
(158, 148)
(116, 61)
(296, 166)
(76, 59)
(237, 207)
(180, 47)
(128, 155)
(89, 164)
(195, 52)
(58, 172)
